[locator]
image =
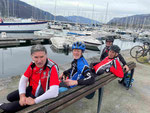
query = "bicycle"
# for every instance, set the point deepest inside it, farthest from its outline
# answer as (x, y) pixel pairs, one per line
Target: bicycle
(134, 50)
(143, 55)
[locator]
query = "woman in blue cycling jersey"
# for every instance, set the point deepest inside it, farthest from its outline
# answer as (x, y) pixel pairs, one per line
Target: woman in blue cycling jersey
(79, 73)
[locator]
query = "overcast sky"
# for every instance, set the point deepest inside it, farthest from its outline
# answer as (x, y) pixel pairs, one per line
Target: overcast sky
(101, 10)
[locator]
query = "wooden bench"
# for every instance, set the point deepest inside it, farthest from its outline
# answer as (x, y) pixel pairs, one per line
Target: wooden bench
(74, 94)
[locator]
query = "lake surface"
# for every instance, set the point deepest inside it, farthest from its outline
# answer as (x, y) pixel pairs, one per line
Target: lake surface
(14, 61)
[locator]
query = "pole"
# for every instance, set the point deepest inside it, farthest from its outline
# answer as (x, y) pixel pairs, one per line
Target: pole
(106, 13)
(100, 95)
(8, 8)
(55, 11)
(2, 62)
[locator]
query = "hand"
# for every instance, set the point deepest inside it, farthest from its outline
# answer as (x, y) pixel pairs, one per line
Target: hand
(70, 82)
(30, 101)
(61, 76)
(22, 100)
(126, 68)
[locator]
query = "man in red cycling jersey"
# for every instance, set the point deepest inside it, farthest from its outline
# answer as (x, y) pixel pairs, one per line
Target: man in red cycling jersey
(104, 54)
(110, 63)
(42, 76)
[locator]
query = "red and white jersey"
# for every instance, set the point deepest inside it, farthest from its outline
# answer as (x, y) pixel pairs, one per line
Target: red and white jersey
(46, 76)
(103, 65)
(113, 65)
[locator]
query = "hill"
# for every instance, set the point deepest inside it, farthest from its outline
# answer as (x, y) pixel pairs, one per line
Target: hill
(135, 20)
(20, 9)
(79, 19)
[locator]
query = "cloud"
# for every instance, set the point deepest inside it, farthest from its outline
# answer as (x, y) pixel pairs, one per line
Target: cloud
(116, 8)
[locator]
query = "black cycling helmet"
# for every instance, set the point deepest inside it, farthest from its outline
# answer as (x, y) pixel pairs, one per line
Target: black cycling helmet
(115, 48)
(78, 45)
(109, 39)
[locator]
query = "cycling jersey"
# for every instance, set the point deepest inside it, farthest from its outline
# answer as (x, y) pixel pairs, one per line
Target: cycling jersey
(42, 77)
(80, 71)
(109, 65)
(105, 54)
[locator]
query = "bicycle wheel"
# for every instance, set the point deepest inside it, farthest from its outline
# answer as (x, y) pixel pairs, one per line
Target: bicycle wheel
(144, 58)
(134, 50)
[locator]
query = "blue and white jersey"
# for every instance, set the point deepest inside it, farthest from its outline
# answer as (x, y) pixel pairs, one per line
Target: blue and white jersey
(80, 71)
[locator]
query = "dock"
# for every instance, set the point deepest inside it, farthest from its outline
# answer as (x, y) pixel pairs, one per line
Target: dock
(12, 41)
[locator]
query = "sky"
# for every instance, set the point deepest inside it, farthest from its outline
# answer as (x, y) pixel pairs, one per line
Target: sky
(101, 10)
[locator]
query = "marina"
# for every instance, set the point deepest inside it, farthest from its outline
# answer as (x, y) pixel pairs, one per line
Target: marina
(58, 44)
(21, 54)
(57, 24)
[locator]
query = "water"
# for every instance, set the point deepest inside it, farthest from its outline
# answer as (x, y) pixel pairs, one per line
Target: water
(126, 44)
(14, 61)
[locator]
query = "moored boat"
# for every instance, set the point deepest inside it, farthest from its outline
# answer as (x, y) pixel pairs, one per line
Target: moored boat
(90, 42)
(22, 26)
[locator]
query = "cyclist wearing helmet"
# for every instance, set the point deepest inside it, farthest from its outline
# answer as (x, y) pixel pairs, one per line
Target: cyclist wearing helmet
(109, 43)
(110, 63)
(79, 73)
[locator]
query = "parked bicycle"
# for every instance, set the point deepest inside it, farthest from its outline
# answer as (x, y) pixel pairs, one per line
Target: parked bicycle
(141, 53)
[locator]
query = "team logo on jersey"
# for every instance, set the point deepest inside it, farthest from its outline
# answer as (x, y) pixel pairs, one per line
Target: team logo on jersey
(44, 75)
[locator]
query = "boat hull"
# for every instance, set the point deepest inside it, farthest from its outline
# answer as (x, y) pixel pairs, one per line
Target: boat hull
(92, 46)
(22, 27)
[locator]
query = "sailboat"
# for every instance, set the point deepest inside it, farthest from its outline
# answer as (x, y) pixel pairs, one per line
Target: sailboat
(12, 24)
(23, 26)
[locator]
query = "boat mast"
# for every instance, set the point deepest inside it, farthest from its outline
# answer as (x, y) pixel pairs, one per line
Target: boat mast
(13, 9)
(77, 13)
(55, 11)
(8, 8)
(143, 24)
(92, 22)
(106, 13)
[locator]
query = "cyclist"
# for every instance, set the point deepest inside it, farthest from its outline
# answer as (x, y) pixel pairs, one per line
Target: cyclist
(109, 43)
(110, 63)
(79, 73)
(42, 76)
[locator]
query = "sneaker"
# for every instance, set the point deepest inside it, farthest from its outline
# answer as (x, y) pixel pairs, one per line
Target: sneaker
(1, 104)
(1, 110)
(120, 81)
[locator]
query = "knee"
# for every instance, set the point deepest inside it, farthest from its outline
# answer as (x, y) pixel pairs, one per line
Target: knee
(13, 96)
(9, 97)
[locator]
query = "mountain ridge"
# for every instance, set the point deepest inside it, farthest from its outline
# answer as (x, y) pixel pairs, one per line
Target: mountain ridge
(20, 9)
(79, 19)
(134, 20)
